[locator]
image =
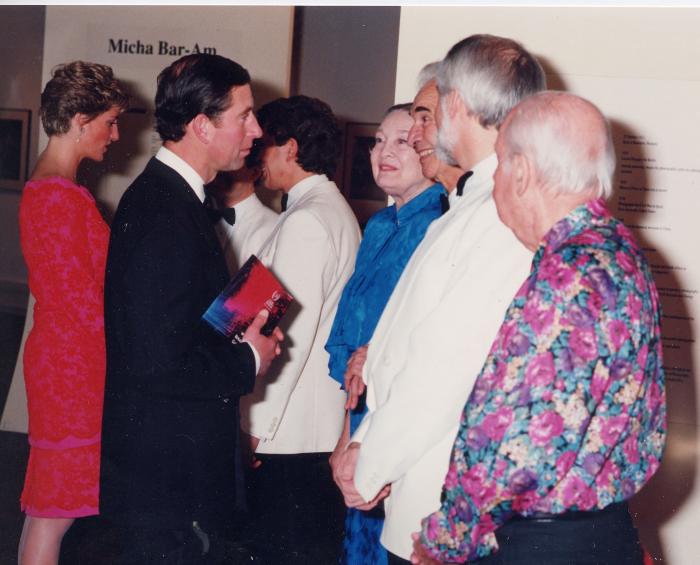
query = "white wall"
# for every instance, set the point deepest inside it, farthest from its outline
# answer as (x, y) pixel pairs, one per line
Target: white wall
(640, 66)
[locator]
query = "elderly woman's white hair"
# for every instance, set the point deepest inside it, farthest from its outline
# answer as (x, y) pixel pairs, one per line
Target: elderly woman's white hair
(568, 140)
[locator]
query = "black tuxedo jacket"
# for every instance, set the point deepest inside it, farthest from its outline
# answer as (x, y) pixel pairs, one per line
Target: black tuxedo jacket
(170, 426)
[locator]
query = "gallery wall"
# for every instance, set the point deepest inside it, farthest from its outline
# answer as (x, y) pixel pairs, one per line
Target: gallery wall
(343, 55)
(638, 66)
(137, 42)
(21, 53)
(346, 56)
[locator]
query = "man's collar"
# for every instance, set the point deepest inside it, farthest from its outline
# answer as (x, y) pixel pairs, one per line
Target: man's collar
(246, 205)
(419, 203)
(482, 173)
(184, 169)
(302, 187)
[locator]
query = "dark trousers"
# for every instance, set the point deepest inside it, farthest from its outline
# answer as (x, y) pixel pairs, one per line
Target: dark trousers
(144, 546)
(606, 537)
(296, 512)
(185, 546)
(394, 559)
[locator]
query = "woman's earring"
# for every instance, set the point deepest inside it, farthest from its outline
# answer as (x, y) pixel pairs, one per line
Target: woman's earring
(80, 134)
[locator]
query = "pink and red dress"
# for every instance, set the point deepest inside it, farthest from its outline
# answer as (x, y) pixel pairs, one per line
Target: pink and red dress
(64, 242)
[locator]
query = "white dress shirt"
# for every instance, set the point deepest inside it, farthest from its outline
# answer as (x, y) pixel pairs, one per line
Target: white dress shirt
(297, 407)
(254, 222)
(427, 350)
(184, 169)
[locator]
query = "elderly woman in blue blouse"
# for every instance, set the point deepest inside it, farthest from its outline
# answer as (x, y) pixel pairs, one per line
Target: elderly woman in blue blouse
(390, 238)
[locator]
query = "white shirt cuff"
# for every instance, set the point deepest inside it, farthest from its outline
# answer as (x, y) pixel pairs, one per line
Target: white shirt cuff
(255, 354)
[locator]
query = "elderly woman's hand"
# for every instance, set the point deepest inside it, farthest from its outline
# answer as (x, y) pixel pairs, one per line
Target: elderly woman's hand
(354, 385)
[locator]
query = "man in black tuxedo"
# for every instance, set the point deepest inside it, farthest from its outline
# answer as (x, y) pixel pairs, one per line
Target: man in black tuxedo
(171, 471)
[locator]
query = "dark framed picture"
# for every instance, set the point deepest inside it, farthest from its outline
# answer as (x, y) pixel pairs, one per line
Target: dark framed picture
(364, 196)
(14, 147)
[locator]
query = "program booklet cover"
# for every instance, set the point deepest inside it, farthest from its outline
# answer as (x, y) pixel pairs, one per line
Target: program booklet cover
(250, 290)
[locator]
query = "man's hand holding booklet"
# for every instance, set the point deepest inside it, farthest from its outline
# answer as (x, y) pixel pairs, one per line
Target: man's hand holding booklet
(251, 289)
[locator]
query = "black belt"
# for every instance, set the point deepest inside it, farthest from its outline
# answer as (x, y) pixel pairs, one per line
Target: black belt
(574, 515)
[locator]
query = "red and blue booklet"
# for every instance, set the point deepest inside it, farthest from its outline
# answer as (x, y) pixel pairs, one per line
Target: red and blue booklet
(250, 290)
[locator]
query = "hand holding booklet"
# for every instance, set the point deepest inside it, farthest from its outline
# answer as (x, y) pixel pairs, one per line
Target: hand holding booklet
(250, 290)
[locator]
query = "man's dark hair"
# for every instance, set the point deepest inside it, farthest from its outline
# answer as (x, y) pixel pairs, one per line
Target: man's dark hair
(311, 123)
(192, 85)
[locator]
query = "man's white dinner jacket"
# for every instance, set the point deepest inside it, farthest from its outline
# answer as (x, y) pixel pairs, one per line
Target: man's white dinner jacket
(429, 345)
(297, 407)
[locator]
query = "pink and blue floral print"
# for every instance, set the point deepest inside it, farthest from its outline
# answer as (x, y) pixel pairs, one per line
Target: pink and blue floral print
(569, 410)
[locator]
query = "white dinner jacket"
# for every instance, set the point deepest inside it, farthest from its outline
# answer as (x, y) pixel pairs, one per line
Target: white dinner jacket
(297, 407)
(254, 222)
(429, 345)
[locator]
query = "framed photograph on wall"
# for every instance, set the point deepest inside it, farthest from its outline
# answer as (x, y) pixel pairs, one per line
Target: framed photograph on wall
(364, 196)
(14, 147)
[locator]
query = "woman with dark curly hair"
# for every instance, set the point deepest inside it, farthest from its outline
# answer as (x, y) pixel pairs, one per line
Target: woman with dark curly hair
(64, 242)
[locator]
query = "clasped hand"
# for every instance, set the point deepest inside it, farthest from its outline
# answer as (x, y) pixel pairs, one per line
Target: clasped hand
(343, 466)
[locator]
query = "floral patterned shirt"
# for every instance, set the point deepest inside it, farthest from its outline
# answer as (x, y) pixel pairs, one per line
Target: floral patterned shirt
(569, 410)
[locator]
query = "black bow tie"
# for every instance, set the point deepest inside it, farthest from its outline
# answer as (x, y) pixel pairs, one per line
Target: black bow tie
(462, 181)
(228, 214)
(283, 203)
(444, 204)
